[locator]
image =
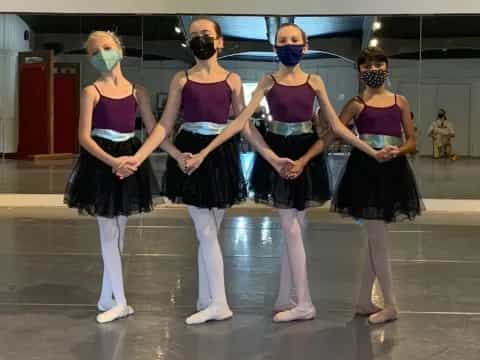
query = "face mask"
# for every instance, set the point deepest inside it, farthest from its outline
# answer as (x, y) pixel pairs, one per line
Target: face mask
(290, 55)
(105, 60)
(202, 47)
(441, 115)
(374, 78)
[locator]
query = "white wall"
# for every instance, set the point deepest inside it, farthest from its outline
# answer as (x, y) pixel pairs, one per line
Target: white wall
(253, 7)
(12, 29)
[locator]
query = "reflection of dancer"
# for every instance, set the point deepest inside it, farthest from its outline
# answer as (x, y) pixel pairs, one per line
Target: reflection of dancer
(206, 93)
(441, 131)
(109, 107)
(378, 192)
(291, 94)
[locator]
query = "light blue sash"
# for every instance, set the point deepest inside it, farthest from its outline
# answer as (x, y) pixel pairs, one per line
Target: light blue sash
(112, 135)
(203, 127)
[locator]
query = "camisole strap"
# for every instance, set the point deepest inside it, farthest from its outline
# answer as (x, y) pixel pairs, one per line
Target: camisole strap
(98, 90)
(358, 97)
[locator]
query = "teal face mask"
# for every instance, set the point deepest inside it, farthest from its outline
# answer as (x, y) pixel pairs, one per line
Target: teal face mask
(105, 60)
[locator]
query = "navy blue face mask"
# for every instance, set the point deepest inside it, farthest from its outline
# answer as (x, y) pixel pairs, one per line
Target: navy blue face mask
(290, 55)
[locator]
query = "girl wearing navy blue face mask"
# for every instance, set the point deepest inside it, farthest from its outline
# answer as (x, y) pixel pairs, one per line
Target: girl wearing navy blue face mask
(303, 182)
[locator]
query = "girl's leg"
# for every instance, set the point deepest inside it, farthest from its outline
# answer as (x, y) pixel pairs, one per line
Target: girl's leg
(380, 250)
(211, 254)
(110, 240)
(296, 254)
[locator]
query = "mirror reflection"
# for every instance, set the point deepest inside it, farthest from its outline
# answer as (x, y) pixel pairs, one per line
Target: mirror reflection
(434, 64)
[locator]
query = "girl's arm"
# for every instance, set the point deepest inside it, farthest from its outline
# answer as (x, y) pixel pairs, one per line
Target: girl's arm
(239, 123)
(410, 144)
(143, 101)
(167, 121)
(242, 123)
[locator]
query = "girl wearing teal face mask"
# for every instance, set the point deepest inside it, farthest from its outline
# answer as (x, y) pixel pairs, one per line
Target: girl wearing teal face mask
(108, 111)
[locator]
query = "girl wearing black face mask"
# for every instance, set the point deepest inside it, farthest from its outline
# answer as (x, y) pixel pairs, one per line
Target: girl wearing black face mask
(378, 193)
(291, 94)
(206, 93)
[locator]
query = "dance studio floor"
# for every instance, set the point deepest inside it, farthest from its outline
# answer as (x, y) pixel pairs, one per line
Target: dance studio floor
(50, 269)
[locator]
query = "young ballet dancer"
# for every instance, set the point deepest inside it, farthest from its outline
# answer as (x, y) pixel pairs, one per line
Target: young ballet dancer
(108, 110)
(303, 183)
(206, 93)
(378, 193)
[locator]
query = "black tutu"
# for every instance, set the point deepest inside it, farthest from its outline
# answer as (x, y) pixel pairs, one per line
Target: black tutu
(95, 190)
(371, 190)
(218, 182)
(310, 189)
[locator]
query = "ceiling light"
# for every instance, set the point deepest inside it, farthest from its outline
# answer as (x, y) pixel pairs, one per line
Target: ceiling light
(377, 25)
(373, 42)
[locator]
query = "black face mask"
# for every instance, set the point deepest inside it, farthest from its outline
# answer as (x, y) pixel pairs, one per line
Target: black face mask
(374, 78)
(202, 47)
(441, 115)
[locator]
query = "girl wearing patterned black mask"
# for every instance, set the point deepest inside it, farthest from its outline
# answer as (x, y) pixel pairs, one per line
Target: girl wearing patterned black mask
(378, 193)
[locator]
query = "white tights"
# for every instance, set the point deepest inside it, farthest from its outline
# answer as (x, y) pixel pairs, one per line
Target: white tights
(377, 264)
(211, 281)
(112, 235)
(293, 260)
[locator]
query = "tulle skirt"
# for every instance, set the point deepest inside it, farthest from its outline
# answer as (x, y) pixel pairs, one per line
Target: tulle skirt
(371, 190)
(310, 189)
(95, 190)
(218, 182)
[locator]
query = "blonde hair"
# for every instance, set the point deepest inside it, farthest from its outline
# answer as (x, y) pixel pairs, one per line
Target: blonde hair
(103, 34)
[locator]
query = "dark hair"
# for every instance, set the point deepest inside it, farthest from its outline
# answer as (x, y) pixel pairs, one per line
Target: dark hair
(216, 25)
(304, 35)
(371, 54)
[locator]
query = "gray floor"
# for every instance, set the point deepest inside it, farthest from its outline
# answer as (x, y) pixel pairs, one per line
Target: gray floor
(442, 179)
(50, 270)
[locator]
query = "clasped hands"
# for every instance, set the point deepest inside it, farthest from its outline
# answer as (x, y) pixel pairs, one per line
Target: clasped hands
(288, 169)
